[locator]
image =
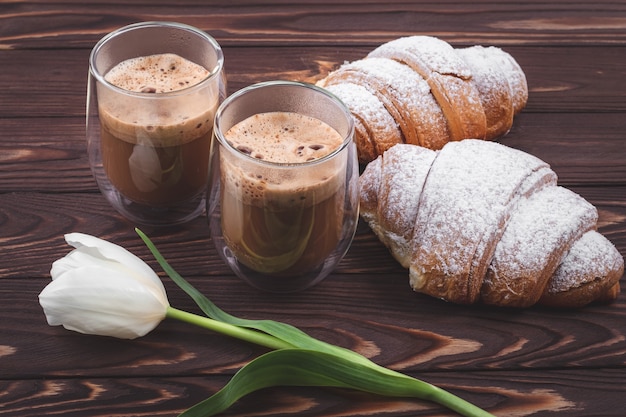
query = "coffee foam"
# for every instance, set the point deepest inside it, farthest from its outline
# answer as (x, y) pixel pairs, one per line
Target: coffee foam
(263, 185)
(161, 73)
(284, 137)
(159, 120)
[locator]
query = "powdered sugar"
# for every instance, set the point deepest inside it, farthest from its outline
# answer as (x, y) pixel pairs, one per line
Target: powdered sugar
(539, 233)
(380, 129)
(428, 88)
(401, 202)
(513, 74)
(433, 54)
(493, 88)
(467, 198)
(448, 77)
(365, 104)
(404, 93)
(591, 257)
(483, 203)
(543, 223)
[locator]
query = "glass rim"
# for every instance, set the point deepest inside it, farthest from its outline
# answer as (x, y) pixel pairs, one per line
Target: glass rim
(213, 72)
(348, 138)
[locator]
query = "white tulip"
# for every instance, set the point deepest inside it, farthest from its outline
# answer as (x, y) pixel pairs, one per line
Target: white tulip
(101, 288)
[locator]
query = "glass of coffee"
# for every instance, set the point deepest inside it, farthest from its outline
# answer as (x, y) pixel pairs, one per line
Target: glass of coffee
(283, 197)
(153, 91)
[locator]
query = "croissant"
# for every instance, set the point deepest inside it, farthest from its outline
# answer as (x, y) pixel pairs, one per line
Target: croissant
(420, 90)
(478, 221)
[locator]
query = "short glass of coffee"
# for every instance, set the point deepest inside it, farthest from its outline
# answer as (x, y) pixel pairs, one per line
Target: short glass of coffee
(153, 91)
(283, 196)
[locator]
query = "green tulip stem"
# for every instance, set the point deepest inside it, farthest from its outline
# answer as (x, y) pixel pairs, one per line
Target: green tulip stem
(241, 333)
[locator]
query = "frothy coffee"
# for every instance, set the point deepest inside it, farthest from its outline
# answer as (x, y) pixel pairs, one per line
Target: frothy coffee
(161, 73)
(284, 137)
(276, 219)
(155, 147)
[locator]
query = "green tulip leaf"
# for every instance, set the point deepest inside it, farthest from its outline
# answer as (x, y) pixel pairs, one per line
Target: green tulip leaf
(300, 367)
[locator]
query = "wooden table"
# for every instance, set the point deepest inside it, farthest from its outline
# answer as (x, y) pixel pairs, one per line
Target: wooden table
(535, 362)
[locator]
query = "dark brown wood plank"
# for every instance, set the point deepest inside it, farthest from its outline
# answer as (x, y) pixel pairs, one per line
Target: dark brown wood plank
(32, 227)
(50, 25)
(572, 79)
(44, 154)
(50, 155)
(583, 149)
(378, 317)
(548, 393)
(537, 361)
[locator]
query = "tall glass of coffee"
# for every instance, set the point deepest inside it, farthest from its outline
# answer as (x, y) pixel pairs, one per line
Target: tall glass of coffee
(283, 198)
(153, 91)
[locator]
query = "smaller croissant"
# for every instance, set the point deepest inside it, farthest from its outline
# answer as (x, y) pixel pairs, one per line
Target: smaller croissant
(478, 221)
(422, 91)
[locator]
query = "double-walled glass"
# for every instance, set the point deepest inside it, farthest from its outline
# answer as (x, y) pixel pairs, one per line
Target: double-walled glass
(149, 152)
(280, 226)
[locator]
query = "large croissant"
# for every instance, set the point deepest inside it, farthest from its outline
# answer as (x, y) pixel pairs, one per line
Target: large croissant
(481, 222)
(420, 90)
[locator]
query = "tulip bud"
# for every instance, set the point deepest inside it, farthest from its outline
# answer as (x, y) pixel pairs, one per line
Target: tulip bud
(100, 288)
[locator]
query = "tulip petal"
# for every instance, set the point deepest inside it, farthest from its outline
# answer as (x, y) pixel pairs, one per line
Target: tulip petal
(92, 300)
(77, 258)
(99, 248)
(84, 256)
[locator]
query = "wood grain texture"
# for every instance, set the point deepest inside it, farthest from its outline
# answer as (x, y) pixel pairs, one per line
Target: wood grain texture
(33, 225)
(50, 25)
(577, 79)
(535, 362)
(50, 156)
(415, 333)
(504, 393)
